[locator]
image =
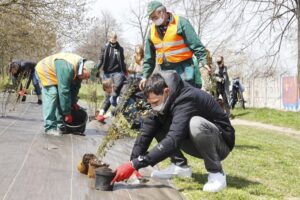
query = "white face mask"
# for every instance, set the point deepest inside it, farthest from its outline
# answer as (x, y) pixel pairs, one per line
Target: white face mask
(159, 108)
(159, 21)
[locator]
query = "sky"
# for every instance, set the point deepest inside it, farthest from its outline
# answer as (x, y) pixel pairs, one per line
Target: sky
(119, 9)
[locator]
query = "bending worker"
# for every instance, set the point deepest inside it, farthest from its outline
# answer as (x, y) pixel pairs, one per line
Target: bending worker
(171, 44)
(61, 75)
(186, 118)
(18, 68)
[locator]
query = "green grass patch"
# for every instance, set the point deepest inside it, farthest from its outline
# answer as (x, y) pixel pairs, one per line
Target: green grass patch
(269, 116)
(92, 94)
(263, 165)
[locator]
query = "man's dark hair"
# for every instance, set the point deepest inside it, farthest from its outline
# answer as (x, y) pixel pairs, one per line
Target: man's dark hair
(155, 84)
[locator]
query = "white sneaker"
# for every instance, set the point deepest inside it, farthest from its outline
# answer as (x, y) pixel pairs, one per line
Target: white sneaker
(215, 183)
(172, 171)
(53, 132)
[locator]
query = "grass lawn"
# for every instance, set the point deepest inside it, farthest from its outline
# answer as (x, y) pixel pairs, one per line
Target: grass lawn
(263, 165)
(269, 116)
(92, 94)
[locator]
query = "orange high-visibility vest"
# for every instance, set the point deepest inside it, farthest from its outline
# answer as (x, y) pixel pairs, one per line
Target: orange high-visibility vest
(172, 47)
(46, 67)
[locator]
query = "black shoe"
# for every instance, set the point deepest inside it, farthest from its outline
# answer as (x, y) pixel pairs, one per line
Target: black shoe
(40, 102)
(23, 98)
(62, 130)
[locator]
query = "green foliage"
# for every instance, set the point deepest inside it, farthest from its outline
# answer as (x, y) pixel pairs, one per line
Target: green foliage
(263, 165)
(270, 116)
(119, 128)
(92, 93)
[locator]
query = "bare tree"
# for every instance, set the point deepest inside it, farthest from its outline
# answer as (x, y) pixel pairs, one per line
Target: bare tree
(272, 21)
(94, 38)
(31, 29)
(139, 20)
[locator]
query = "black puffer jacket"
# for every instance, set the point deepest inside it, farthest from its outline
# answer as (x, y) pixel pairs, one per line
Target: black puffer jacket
(183, 103)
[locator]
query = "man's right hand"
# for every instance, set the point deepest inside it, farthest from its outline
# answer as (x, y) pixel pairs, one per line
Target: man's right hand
(101, 118)
(142, 84)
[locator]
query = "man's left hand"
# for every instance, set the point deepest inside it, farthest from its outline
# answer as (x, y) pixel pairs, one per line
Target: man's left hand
(69, 119)
(123, 172)
(75, 107)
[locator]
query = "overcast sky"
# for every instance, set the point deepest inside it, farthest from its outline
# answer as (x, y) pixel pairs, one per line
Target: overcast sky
(120, 9)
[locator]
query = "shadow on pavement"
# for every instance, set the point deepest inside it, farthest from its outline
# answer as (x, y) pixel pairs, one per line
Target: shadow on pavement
(120, 186)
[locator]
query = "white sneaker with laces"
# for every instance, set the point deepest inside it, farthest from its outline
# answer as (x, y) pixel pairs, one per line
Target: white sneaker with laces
(215, 183)
(53, 132)
(172, 171)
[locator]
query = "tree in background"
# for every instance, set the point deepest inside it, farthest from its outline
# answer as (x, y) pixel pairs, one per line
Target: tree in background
(32, 29)
(138, 20)
(260, 26)
(94, 38)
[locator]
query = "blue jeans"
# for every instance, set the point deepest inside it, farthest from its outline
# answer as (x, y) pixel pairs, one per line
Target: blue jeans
(35, 82)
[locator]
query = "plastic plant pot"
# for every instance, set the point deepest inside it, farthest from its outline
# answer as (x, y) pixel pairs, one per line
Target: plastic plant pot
(80, 118)
(104, 177)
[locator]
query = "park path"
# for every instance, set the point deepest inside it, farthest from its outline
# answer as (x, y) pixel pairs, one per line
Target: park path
(283, 130)
(37, 166)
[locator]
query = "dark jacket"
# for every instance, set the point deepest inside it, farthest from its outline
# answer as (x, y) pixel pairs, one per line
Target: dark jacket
(183, 103)
(106, 56)
(25, 66)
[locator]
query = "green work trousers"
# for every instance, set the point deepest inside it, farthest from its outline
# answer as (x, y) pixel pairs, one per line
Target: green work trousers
(53, 119)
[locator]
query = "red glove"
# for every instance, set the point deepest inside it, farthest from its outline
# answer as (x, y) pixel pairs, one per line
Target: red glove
(22, 93)
(75, 107)
(123, 172)
(69, 119)
(101, 118)
(137, 174)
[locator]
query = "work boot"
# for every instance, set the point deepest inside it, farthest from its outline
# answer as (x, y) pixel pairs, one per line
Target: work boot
(215, 183)
(172, 171)
(53, 132)
(39, 99)
(23, 98)
(62, 130)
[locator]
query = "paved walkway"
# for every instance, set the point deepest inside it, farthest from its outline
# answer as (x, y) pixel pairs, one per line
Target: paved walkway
(283, 130)
(36, 166)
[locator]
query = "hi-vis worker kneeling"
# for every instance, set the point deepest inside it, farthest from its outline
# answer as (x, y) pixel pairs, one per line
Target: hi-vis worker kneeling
(61, 75)
(187, 119)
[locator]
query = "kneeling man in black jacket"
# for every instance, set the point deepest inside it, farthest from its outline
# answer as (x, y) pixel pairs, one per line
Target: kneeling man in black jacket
(186, 119)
